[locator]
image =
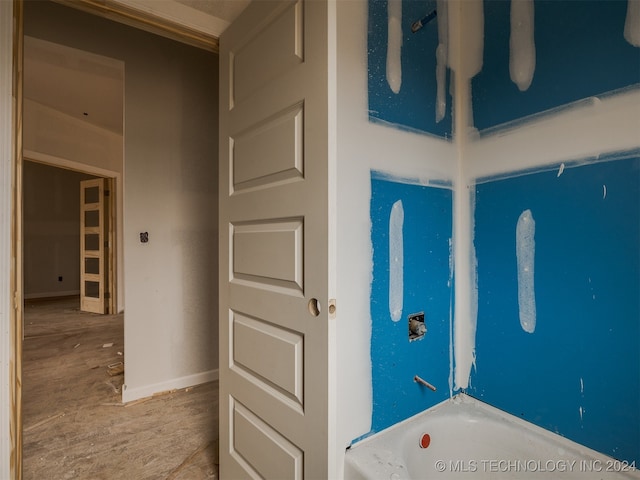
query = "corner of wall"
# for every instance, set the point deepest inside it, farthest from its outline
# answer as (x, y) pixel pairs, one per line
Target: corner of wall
(465, 26)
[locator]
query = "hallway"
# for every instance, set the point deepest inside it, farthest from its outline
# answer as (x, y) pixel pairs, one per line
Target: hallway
(75, 425)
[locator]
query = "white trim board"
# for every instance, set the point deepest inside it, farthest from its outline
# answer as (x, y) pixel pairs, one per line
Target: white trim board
(131, 394)
(45, 158)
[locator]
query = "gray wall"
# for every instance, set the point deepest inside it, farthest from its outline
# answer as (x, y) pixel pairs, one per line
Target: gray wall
(170, 191)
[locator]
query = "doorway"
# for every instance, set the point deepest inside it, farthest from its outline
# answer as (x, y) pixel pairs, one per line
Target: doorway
(171, 195)
(52, 239)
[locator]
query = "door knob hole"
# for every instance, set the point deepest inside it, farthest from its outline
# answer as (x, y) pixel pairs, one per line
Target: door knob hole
(314, 307)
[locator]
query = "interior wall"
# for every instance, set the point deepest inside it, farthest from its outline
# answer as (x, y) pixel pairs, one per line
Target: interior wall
(404, 158)
(556, 186)
(51, 230)
(411, 235)
(504, 130)
(170, 165)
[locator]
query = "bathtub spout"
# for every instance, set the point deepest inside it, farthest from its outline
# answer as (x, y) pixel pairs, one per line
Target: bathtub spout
(419, 380)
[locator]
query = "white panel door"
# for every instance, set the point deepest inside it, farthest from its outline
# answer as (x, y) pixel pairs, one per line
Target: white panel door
(92, 250)
(276, 316)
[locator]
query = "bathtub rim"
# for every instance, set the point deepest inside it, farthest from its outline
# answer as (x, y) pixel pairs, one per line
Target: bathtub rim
(462, 398)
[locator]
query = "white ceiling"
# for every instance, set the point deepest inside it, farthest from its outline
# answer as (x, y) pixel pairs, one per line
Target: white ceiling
(91, 87)
(83, 85)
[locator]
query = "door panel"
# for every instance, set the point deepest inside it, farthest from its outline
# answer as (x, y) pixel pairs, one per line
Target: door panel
(92, 250)
(282, 136)
(261, 448)
(274, 49)
(274, 254)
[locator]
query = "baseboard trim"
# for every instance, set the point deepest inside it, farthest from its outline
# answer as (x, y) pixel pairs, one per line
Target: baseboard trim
(131, 394)
(51, 295)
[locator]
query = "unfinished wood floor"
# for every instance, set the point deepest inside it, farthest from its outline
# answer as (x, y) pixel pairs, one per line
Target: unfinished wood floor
(75, 426)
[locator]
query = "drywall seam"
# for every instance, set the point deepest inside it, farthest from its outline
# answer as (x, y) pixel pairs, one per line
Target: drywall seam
(562, 166)
(465, 287)
(493, 155)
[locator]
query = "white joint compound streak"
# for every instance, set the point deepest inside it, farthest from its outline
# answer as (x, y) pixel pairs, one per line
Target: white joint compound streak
(632, 23)
(522, 47)
(441, 59)
(394, 45)
(466, 287)
(473, 21)
(396, 260)
(525, 256)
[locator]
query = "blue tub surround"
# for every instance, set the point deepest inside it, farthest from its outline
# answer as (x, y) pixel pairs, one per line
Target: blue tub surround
(532, 57)
(421, 286)
(573, 365)
(580, 51)
(408, 74)
(547, 305)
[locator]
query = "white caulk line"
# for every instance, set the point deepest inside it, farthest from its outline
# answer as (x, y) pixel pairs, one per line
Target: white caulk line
(522, 48)
(394, 45)
(561, 169)
(604, 192)
(396, 260)
(525, 256)
(581, 386)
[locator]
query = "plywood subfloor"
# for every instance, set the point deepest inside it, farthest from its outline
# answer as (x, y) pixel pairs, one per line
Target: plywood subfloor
(75, 426)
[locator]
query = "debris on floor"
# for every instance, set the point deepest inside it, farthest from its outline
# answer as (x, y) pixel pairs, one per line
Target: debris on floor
(115, 369)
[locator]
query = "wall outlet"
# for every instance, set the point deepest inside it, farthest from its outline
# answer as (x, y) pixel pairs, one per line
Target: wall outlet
(60, 278)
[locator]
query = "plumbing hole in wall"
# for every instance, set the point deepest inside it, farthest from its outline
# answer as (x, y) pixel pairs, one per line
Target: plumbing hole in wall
(417, 327)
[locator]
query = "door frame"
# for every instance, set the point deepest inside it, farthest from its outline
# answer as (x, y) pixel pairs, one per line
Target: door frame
(15, 294)
(115, 209)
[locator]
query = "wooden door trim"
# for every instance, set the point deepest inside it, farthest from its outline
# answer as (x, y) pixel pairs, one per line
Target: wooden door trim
(145, 21)
(16, 315)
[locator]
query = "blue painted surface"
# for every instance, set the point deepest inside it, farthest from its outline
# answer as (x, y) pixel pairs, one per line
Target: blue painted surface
(426, 233)
(414, 106)
(580, 52)
(587, 288)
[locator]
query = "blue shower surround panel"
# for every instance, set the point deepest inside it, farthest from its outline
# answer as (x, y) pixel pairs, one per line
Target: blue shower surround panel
(414, 106)
(578, 373)
(580, 52)
(395, 360)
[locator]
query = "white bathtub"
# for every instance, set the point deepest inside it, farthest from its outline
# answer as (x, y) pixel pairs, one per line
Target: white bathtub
(470, 439)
